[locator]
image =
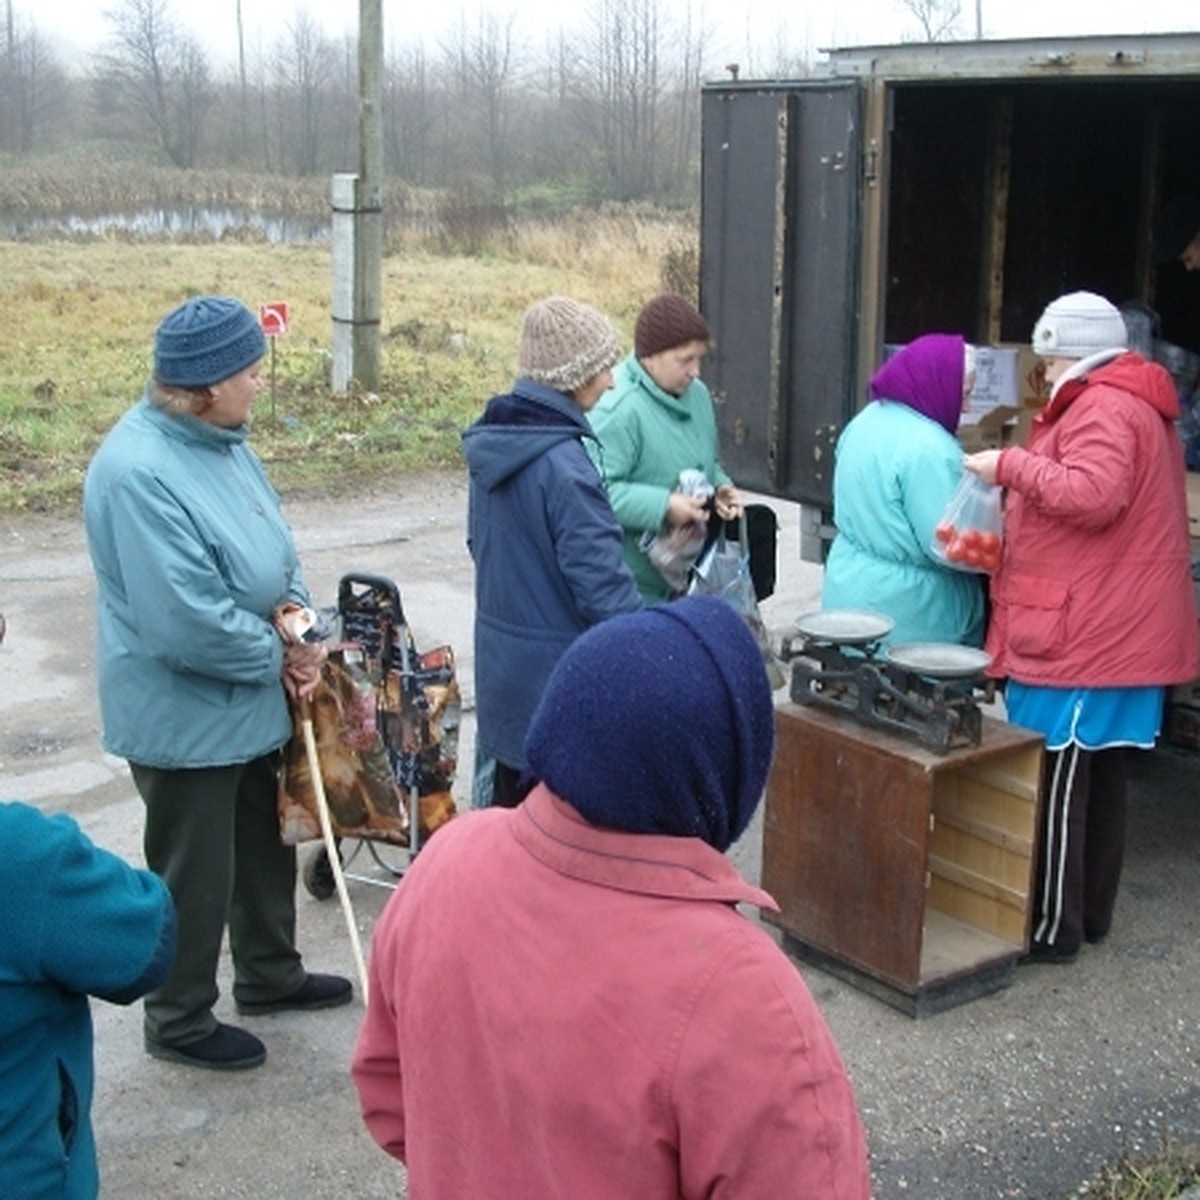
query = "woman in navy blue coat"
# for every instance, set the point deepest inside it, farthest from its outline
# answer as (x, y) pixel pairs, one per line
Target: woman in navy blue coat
(546, 545)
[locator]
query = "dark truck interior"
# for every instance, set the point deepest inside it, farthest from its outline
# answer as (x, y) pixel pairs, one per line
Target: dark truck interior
(1010, 194)
(999, 193)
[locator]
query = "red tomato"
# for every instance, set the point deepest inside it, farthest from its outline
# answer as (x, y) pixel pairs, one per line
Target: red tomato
(945, 533)
(989, 543)
(971, 538)
(989, 562)
(972, 557)
(956, 551)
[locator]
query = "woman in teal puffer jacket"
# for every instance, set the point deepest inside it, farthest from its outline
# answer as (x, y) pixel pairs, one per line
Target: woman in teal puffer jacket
(897, 465)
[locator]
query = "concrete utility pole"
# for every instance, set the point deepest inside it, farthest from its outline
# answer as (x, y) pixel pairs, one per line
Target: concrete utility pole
(358, 222)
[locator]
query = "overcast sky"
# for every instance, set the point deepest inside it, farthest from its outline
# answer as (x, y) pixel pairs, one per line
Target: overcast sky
(742, 30)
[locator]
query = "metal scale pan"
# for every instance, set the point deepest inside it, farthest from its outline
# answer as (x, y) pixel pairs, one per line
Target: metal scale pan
(939, 660)
(844, 626)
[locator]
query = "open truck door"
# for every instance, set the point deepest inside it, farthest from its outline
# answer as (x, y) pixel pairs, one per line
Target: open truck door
(953, 187)
(781, 176)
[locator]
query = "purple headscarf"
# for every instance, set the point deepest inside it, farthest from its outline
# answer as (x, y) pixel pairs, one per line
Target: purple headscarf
(927, 375)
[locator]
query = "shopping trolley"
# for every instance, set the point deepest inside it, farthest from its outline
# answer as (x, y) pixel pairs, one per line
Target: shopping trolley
(387, 719)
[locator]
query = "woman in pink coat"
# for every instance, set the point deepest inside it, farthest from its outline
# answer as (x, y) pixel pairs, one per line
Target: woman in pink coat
(564, 999)
(1093, 611)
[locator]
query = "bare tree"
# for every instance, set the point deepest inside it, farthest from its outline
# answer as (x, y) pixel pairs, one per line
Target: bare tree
(158, 76)
(481, 61)
(610, 111)
(410, 116)
(684, 112)
(620, 65)
(34, 92)
(939, 18)
(303, 63)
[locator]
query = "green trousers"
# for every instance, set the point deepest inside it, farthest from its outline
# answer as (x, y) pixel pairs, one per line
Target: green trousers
(212, 834)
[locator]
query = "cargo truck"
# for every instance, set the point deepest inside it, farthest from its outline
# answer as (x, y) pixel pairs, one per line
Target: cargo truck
(908, 189)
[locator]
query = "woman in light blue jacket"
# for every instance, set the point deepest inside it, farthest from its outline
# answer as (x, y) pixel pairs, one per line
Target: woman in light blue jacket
(193, 558)
(897, 465)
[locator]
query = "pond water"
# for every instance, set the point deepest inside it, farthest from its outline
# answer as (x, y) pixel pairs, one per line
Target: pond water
(157, 221)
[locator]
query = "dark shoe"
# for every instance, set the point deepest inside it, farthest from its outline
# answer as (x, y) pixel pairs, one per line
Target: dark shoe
(1048, 952)
(1095, 939)
(318, 876)
(227, 1048)
(317, 991)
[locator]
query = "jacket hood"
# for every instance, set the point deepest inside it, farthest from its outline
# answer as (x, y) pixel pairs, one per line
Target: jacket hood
(1130, 372)
(517, 428)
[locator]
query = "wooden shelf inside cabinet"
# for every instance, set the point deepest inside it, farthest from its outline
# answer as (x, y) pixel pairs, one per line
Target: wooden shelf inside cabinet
(906, 872)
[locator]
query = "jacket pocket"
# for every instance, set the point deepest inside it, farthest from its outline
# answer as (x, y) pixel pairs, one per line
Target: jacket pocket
(1037, 616)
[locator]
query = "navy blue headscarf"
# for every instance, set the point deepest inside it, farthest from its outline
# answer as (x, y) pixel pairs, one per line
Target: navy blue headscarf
(659, 721)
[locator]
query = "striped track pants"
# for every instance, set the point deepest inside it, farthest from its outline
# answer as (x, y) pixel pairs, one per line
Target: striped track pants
(1081, 845)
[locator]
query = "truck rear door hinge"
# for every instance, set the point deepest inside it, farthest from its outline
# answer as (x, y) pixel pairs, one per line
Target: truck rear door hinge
(871, 164)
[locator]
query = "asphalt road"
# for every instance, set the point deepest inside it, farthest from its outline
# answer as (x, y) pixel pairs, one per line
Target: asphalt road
(1027, 1092)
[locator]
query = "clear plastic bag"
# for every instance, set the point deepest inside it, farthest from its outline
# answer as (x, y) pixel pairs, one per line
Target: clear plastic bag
(674, 550)
(724, 572)
(970, 535)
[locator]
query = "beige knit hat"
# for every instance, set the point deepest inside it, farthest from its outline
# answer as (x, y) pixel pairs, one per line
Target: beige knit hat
(1078, 326)
(565, 343)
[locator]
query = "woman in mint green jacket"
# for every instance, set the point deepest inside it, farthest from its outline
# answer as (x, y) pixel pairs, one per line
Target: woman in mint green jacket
(656, 422)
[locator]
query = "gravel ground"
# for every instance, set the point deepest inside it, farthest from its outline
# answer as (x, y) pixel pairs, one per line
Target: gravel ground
(1027, 1092)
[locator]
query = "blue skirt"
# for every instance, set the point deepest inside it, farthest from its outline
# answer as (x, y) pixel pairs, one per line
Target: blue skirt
(1091, 718)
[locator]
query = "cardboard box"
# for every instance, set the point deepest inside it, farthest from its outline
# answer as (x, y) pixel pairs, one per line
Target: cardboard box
(997, 383)
(993, 431)
(1033, 390)
(1010, 387)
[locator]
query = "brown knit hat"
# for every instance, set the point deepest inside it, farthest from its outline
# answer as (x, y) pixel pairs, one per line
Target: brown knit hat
(665, 322)
(565, 343)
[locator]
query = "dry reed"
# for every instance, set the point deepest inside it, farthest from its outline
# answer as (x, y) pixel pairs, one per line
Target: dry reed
(80, 319)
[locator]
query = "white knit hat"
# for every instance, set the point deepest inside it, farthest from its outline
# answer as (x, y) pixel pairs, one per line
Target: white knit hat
(1078, 326)
(565, 343)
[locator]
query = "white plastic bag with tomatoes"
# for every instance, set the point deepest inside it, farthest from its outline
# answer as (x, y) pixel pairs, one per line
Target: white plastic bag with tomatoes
(970, 534)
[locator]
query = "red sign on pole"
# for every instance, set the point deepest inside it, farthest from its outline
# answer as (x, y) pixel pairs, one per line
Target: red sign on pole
(274, 318)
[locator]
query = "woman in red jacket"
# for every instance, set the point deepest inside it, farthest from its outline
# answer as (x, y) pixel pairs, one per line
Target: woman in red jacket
(1093, 611)
(565, 1000)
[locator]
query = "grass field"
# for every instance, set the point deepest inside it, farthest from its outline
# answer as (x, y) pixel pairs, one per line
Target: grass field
(80, 318)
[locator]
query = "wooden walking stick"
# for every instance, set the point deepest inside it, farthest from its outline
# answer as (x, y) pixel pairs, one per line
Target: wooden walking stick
(331, 848)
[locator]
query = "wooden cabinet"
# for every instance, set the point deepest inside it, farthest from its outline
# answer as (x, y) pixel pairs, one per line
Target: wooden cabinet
(903, 871)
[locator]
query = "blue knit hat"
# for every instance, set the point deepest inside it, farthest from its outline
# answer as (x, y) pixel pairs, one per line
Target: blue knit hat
(659, 721)
(205, 340)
